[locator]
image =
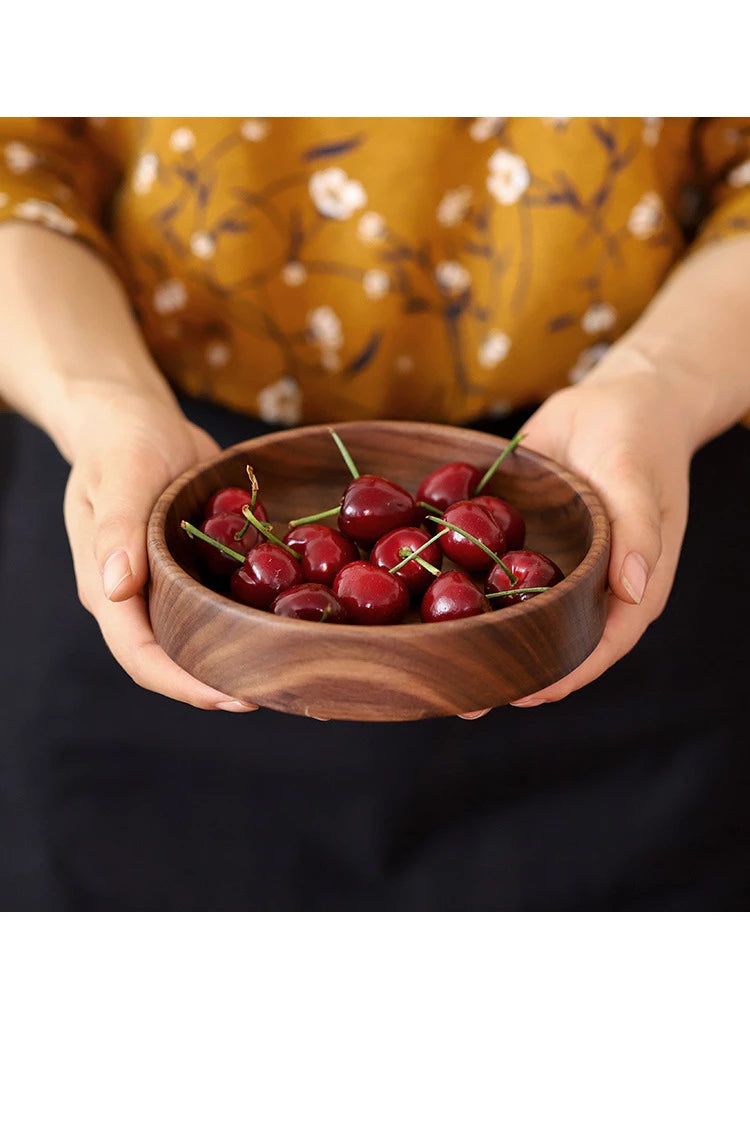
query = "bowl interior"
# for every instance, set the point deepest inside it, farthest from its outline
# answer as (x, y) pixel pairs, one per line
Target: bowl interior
(301, 472)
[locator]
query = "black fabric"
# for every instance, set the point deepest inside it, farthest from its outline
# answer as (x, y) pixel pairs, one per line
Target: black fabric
(633, 794)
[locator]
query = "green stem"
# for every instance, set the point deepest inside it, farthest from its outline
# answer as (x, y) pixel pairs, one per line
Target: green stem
(413, 553)
(429, 507)
(345, 454)
(503, 455)
(314, 518)
(195, 533)
(253, 485)
(325, 615)
(520, 590)
(268, 534)
(477, 542)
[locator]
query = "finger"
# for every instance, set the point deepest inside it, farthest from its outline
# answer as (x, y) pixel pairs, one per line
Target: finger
(125, 625)
(626, 623)
(631, 500)
(122, 499)
(473, 715)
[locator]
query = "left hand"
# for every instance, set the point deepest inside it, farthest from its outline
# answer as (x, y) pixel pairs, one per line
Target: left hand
(626, 432)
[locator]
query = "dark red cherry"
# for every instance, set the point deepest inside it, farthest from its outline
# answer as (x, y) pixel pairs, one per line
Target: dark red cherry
(324, 551)
(449, 484)
(234, 499)
(223, 528)
(530, 568)
(393, 547)
(507, 518)
(369, 595)
(453, 595)
(372, 506)
(266, 571)
(310, 601)
(479, 523)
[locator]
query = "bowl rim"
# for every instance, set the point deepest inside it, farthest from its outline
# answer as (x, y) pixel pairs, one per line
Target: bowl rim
(600, 539)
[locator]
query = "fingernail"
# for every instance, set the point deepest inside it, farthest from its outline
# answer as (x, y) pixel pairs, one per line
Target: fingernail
(529, 703)
(235, 706)
(116, 570)
(634, 575)
(473, 715)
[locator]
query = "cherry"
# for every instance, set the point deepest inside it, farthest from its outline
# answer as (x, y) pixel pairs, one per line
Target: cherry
(370, 595)
(372, 506)
(480, 526)
(324, 551)
(266, 571)
(234, 499)
(448, 485)
(224, 528)
(393, 547)
(310, 601)
(531, 569)
(453, 595)
(507, 518)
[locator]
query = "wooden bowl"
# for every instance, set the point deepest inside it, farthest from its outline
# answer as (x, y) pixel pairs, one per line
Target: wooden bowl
(380, 673)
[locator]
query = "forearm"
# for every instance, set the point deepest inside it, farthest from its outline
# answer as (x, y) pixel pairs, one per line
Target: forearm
(695, 338)
(69, 343)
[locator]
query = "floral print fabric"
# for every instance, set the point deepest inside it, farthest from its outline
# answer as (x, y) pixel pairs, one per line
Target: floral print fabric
(316, 269)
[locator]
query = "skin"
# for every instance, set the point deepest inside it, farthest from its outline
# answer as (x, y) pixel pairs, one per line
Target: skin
(73, 361)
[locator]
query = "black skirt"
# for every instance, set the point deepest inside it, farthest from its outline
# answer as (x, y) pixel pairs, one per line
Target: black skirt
(631, 794)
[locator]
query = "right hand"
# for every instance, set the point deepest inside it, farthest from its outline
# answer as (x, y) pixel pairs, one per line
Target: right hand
(127, 450)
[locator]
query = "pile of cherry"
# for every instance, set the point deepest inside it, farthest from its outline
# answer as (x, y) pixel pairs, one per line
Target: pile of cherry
(319, 574)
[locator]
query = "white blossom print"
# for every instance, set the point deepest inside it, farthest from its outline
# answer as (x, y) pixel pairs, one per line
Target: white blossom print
(483, 129)
(202, 245)
(586, 361)
(372, 228)
(647, 216)
(97, 124)
(376, 283)
(4, 199)
(404, 364)
(144, 173)
(218, 354)
(598, 318)
(170, 296)
(454, 206)
(182, 140)
(740, 175)
(254, 130)
(508, 178)
(294, 273)
(494, 348)
(556, 124)
(651, 131)
(335, 195)
(331, 360)
(19, 158)
(500, 408)
(281, 402)
(48, 213)
(452, 277)
(324, 327)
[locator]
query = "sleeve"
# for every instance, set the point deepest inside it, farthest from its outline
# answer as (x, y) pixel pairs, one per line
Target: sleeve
(722, 159)
(53, 174)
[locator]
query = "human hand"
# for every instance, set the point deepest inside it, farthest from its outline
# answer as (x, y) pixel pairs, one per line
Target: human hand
(629, 433)
(127, 449)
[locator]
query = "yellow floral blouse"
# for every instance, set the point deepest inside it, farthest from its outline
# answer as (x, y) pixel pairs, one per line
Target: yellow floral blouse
(309, 269)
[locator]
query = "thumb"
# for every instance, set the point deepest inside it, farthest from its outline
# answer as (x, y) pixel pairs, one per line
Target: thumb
(122, 503)
(632, 503)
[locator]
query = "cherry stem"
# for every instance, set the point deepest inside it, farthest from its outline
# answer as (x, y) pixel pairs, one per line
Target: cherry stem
(503, 455)
(254, 486)
(314, 518)
(195, 533)
(326, 614)
(477, 542)
(268, 534)
(429, 507)
(412, 554)
(345, 454)
(520, 590)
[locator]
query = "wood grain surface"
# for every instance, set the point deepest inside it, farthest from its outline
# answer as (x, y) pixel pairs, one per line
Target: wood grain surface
(381, 673)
